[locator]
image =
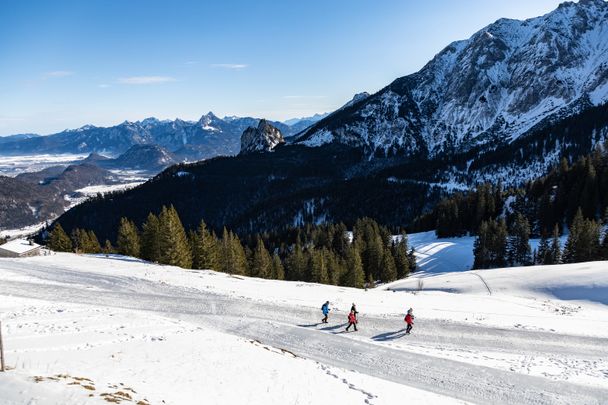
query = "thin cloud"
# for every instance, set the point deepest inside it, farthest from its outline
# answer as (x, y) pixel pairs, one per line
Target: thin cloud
(146, 79)
(103, 86)
(298, 97)
(230, 66)
(57, 74)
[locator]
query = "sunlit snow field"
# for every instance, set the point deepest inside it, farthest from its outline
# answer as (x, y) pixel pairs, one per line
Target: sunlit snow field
(80, 328)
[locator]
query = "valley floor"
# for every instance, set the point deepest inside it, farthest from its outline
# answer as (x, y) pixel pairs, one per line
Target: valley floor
(86, 329)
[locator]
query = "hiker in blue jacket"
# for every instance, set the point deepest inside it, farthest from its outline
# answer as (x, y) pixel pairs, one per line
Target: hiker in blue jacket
(325, 309)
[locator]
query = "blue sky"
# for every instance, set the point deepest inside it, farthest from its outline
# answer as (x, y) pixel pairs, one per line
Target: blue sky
(69, 63)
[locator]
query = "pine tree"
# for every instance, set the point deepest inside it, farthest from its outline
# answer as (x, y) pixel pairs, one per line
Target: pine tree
(491, 245)
(368, 235)
(127, 241)
(108, 248)
(589, 196)
(389, 270)
(411, 256)
(59, 241)
(583, 241)
(150, 239)
(355, 276)
(205, 253)
(93, 243)
(543, 254)
(174, 246)
(339, 241)
(603, 251)
(277, 272)
(296, 264)
(573, 241)
(240, 264)
(318, 266)
(590, 241)
(402, 261)
(233, 259)
(262, 262)
(555, 256)
(481, 248)
(85, 241)
(519, 252)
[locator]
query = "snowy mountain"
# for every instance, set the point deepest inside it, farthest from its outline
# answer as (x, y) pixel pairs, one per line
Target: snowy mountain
(489, 89)
(263, 138)
(17, 137)
(142, 157)
(189, 140)
(314, 118)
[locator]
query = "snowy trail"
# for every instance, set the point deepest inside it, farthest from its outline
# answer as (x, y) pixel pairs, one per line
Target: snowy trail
(377, 350)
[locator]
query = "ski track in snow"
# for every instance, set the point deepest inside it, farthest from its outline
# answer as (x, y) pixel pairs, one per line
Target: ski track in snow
(469, 362)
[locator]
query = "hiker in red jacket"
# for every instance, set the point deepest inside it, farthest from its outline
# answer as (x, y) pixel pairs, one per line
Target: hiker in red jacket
(409, 319)
(352, 320)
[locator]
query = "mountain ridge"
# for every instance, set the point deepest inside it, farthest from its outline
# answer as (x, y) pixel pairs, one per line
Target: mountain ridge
(206, 137)
(492, 87)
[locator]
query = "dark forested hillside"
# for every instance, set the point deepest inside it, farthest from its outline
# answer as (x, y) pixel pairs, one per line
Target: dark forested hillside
(293, 185)
(550, 200)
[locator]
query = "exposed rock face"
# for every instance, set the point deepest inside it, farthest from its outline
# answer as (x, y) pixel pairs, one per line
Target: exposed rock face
(264, 138)
(491, 88)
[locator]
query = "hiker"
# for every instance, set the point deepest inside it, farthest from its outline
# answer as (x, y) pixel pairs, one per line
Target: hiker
(352, 320)
(325, 309)
(409, 319)
(354, 309)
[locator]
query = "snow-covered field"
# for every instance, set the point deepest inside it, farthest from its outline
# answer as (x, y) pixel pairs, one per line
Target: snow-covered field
(103, 189)
(443, 255)
(22, 232)
(66, 353)
(77, 327)
(14, 165)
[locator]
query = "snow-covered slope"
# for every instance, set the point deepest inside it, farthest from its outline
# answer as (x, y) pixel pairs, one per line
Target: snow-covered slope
(494, 86)
(446, 255)
(118, 324)
(82, 354)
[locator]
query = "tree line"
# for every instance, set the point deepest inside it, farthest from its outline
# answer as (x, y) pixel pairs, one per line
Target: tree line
(571, 197)
(497, 245)
(326, 254)
(550, 200)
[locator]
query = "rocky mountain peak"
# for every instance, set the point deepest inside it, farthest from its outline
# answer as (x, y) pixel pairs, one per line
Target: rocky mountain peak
(489, 89)
(264, 138)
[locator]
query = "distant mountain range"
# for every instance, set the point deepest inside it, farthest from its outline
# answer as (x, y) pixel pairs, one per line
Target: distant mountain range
(186, 140)
(17, 137)
(503, 105)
